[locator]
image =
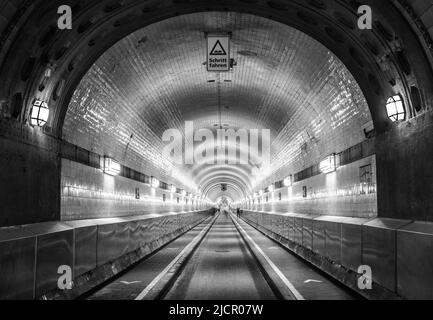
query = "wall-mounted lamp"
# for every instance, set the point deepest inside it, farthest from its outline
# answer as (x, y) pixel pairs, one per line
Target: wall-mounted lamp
(271, 188)
(173, 189)
(39, 113)
(155, 182)
(288, 181)
(111, 166)
(395, 109)
(183, 193)
(261, 192)
(328, 165)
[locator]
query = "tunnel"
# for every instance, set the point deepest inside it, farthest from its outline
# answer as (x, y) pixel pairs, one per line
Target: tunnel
(216, 150)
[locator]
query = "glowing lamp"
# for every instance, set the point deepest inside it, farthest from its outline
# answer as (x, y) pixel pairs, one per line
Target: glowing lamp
(288, 181)
(271, 188)
(173, 189)
(328, 165)
(155, 183)
(183, 193)
(111, 166)
(261, 192)
(395, 109)
(39, 113)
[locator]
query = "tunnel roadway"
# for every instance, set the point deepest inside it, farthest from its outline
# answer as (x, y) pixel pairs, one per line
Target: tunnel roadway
(215, 261)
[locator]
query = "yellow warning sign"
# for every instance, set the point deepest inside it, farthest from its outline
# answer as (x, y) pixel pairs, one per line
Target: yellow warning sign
(218, 53)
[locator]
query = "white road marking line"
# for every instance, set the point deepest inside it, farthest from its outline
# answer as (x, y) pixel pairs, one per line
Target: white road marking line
(283, 278)
(172, 263)
(132, 282)
(311, 280)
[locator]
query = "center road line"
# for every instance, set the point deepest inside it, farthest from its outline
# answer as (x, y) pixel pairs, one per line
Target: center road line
(283, 278)
(155, 281)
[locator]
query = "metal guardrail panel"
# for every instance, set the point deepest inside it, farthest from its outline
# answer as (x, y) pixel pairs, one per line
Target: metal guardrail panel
(351, 243)
(298, 222)
(113, 241)
(85, 250)
(17, 264)
(332, 237)
(379, 250)
(286, 227)
(135, 234)
(307, 232)
(414, 263)
(53, 251)
(30, 255)
(319, 237)
(85, 238)
(351, 246)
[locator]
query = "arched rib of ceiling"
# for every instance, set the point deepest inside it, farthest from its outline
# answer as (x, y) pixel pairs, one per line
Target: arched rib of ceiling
(217, 181)
(231, 185)
(216, 192)
(205, 173)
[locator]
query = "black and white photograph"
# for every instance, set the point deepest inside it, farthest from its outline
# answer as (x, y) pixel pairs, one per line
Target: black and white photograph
(216, 155)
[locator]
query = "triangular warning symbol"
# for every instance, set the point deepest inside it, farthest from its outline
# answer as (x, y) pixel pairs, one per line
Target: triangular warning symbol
(218, 50)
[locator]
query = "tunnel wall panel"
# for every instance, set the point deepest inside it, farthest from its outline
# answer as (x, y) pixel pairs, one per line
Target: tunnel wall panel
(30, 255)
(399, 252)
(339, 194)
(88, 193)
(405, 171)
(29, 184)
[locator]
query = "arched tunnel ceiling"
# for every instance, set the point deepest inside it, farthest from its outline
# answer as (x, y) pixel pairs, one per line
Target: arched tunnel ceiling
(155, 79)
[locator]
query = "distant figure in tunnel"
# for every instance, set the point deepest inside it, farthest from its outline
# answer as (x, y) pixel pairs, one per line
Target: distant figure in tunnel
(238, 213)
